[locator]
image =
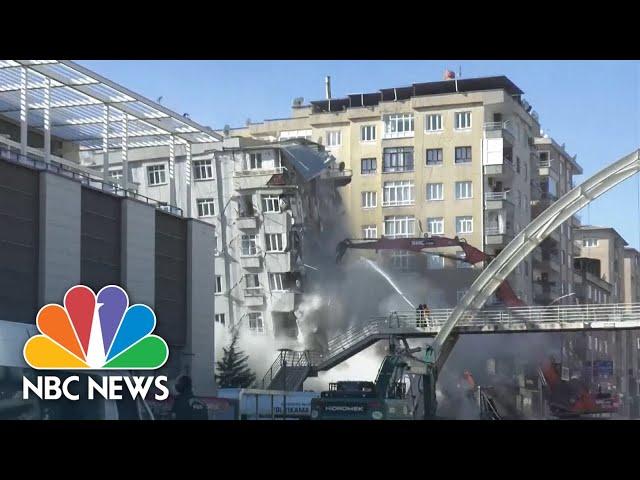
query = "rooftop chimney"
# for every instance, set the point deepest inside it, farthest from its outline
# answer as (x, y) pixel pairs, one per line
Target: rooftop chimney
(327, 85)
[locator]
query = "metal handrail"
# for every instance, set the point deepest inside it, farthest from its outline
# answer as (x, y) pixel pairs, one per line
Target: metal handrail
(12, 156)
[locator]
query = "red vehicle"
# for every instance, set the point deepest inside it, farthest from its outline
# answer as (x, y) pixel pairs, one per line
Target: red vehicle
(572, 398)
(472, 255)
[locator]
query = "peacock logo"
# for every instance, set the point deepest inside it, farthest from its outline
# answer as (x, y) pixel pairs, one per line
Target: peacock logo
(97, 332)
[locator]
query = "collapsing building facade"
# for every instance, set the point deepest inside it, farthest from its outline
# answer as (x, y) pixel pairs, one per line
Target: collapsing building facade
(269, 204)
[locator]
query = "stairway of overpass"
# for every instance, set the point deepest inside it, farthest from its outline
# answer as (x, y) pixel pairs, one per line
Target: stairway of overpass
(410, 324)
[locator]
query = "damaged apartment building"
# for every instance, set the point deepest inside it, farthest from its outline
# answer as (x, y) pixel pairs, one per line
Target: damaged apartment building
(268, 201)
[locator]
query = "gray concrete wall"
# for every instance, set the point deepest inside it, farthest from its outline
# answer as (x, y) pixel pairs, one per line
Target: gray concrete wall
(200, 307)
(138, 251)
(60, 217)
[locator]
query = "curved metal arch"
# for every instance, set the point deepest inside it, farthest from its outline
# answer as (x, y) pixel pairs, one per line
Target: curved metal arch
(532, 235)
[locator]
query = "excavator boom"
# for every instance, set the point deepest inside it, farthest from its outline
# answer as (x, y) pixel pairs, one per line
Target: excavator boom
(472, 255)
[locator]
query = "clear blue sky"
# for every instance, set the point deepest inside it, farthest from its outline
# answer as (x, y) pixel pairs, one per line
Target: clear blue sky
(593, 107)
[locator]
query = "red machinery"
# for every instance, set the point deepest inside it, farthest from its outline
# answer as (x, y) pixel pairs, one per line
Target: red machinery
(572, 398)
(471, 255)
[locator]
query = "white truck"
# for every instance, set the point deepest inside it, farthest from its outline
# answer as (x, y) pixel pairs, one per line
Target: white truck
(254, 404)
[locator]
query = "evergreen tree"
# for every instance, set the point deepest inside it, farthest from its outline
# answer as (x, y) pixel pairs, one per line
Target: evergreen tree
(233, 369)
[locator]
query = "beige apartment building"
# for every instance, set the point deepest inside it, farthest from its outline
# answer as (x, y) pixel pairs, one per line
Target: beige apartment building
(439, 158)
(631, 275)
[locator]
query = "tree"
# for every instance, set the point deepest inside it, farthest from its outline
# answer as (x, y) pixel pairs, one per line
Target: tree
(233, 369)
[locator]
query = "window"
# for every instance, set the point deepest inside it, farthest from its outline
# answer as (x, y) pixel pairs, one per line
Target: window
(400, 260)
(398, 159)
(398, 193)
(518, 164)
(463, 154)
(273, 242)
(255, 161)
(156, 175)
(398, 125)
(464, 224)
(218, 286)
(369, 231)
(433, 122)
(334, 138)
(463, 120)
(276, 282)
(216, 250)
(116, 174)
(434, 156)
(368, 166)
(271, 203)
(461, 263)
(435, 191)
(434, 262)
(252, 280)
(369, 199)
(435, 226)
(590, 242)
(526, 268)
(563, 256)
(399, 226)
(202, 170)
(256, 325)
(367, 133)
(464, 190)
(219, 318)
(205, 207)
(248, 245)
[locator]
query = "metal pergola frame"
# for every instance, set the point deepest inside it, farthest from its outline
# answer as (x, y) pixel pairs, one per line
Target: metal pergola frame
(74, 104)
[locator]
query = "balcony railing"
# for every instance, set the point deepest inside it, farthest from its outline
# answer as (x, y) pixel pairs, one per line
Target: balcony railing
(10, 155)
(334, 173)
(253, 291)
(544, 163)
(398, 203)
(258, 171)
(496, 230)
(498, 126)
(497, 195)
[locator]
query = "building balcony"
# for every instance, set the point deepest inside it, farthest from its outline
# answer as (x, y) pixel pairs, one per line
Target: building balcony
(283, 302)
(499, 130)
(497, 236)
(251, 261)
(340, 177)
(256, 178)
(253, 296)
(247, 223)
(504, 171)
(544, 168)
(278, 262)
(498, 200)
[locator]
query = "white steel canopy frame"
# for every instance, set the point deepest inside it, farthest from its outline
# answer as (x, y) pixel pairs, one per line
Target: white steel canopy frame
(70, 101)
(530, 237)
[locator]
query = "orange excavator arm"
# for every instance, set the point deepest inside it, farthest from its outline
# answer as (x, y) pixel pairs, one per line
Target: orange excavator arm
(472, 255)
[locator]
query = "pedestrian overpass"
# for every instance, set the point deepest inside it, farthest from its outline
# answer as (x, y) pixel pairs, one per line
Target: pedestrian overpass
(409, 324)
